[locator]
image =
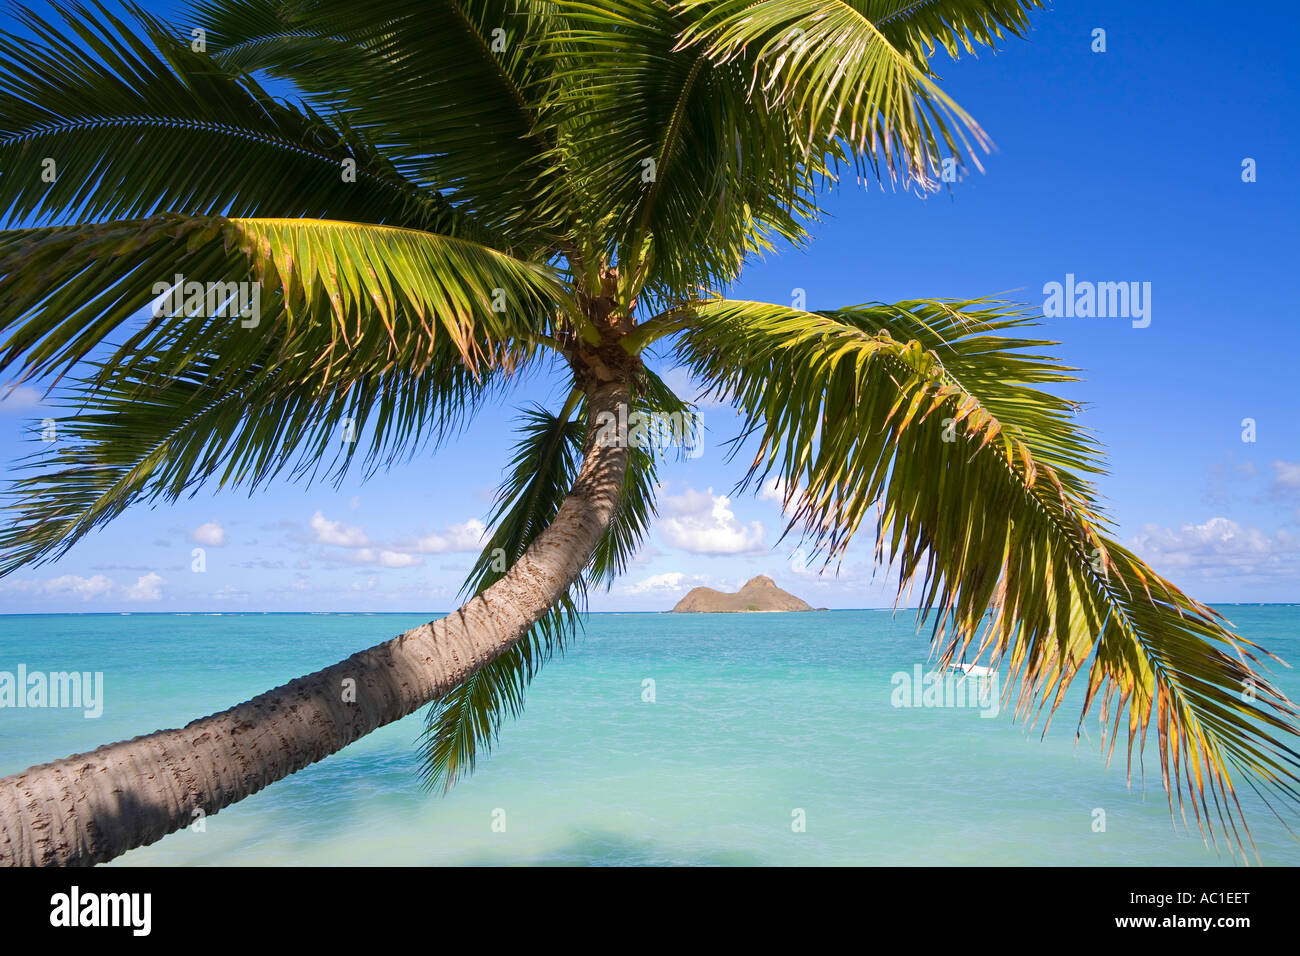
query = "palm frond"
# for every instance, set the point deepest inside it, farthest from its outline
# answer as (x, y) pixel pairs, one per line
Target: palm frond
(843, 79)
(955, 25)
(925, 413)
(145, 433)
(679, 173)
(466, 722)
(330, 293)
(448, 90)
(136, 123)
(361, 331)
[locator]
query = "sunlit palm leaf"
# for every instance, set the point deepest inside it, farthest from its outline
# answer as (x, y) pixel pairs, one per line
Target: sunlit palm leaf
(145, 433)
(954, 25)
(448, 90)
(135, 123)
(366, 335)
(332, 293)
(835, 71)
(923, 412)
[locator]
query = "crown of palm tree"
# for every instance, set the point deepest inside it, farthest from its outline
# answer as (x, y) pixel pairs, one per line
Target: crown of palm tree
(463, 190)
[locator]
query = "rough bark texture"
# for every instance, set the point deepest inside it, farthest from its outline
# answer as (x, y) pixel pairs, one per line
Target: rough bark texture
(91, 807)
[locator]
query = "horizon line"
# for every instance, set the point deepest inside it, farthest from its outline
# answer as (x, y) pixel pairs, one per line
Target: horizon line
(222, 613)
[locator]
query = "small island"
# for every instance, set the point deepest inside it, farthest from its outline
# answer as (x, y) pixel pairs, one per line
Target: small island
(758, 594)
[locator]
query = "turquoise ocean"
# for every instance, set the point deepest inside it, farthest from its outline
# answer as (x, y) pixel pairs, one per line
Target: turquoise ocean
(758, 723)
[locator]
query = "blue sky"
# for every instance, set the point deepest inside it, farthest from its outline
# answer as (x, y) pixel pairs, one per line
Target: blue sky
(1117, 166)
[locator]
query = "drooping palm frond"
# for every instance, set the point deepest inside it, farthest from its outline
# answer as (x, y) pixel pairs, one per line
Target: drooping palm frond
(362, 331)
(833, 70)
(330, 293)
(955, 25)
(136, 123)
(925, 412)
(145, 432)
(449, 91)
(466, 722)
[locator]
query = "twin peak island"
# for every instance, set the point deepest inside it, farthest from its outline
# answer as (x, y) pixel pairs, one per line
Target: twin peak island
(758, 594)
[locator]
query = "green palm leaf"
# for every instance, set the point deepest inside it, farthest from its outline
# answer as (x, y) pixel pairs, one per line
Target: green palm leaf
(363, 330)
(842, 78)
(680, 173)
(333, 293)
(137, 123)
(466, 722)
(448, 90)
(143, 432)
(956, 25)
(923, 412)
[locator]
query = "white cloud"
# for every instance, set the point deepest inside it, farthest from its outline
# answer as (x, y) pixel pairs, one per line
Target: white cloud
(671, 581)
(1218, 546)
(399, 559)
(229, 592)
(71, 584)
(773, 490)
(211, 534)
(703, 523)
(385, 557)
(468, 536)
(337, 533)
(148, 587)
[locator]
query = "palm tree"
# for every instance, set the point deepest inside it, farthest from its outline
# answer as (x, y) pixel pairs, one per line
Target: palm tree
(460, 190)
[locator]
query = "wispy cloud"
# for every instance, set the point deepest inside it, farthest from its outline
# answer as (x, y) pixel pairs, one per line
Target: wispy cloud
(1218, 546)
(671, 582)
(20, 399)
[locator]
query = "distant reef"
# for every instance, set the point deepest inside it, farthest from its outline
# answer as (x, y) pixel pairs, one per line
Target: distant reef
(758, 594)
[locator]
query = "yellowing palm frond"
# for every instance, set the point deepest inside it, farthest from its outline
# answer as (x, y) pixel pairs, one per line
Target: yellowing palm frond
(925, 413)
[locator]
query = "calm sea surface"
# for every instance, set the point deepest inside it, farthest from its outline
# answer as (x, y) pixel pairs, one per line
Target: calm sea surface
(757, 721)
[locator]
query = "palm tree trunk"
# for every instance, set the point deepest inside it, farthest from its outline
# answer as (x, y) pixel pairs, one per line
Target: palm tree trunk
(92, 807)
